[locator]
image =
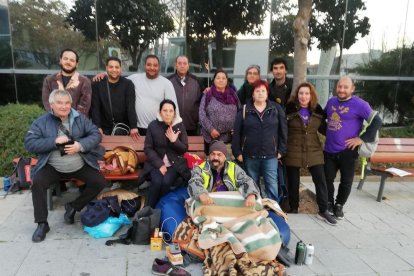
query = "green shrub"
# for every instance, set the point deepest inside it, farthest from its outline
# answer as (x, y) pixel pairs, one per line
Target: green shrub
(14, 123)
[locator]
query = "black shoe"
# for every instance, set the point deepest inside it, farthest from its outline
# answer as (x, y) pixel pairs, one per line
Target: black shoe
(40, 232)
(330, 208)
(339, 214)
(328, 218)
(69, 214)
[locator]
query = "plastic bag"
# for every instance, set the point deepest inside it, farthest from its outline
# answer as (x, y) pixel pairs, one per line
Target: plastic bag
(108, 227)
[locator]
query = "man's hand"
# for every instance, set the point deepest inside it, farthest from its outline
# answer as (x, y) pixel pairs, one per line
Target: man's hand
(74, 148)
(206, 199)
(250, 200)
(214, 133)
(61, 139)
(163, 169)
(99, 77)
(240, 158)
(134, 134)
(353, 143)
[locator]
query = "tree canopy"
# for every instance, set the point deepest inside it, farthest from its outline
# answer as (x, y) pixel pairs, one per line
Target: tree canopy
(135, 23)
(39, 28)
(326, 25)
(218, 20)
(392, 96)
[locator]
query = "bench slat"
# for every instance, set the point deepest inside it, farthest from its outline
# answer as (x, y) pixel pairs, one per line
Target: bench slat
(389, 157)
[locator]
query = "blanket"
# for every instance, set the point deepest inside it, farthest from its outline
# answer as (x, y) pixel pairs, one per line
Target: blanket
(245, 229)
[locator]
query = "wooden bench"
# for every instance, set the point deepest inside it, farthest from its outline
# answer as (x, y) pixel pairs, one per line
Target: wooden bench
(390, 150)
(195, 146)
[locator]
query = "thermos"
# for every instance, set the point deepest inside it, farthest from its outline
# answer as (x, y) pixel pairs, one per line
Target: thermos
(6, 183)
(310, 252)
(300, 254)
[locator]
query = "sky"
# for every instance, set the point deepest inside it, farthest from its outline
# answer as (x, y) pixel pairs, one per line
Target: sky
(387, 19)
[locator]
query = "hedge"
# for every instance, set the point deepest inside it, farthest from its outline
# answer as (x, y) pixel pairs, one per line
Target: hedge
(14, 123)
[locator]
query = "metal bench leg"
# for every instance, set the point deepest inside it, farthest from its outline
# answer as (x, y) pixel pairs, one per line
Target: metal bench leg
(55, 187)
(361, 182)
(381, 188)
(50, 198)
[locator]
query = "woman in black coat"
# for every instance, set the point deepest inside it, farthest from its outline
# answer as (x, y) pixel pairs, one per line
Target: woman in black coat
(165, 143)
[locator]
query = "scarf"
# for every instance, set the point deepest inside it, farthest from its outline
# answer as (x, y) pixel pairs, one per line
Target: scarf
(227, 97)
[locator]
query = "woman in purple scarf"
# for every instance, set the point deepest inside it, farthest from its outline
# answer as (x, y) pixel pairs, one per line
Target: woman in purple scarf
(218, 109)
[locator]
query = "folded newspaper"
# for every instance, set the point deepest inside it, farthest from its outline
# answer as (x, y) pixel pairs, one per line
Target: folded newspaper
(398, 172)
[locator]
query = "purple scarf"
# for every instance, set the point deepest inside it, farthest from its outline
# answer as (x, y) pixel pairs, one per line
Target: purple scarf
(227, 97)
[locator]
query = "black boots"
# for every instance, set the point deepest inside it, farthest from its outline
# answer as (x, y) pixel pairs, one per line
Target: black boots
(69, 214)
(40, 232)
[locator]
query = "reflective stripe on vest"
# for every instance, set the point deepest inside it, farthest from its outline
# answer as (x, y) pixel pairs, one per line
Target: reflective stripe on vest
(231, 171)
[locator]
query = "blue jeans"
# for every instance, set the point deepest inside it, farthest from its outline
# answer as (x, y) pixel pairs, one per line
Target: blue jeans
(256, 167)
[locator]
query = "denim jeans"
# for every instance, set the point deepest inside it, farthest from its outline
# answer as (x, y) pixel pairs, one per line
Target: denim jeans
(345, 162)
(256, 167)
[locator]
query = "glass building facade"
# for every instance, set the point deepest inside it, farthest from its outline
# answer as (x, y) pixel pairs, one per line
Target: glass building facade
(380, 59)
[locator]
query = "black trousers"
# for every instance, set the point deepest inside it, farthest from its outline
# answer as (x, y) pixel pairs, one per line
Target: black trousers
(94, 183)
(345, 162)
(160, 185)
(318, 178)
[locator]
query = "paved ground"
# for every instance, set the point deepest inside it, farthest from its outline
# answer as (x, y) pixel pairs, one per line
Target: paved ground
(373, 239)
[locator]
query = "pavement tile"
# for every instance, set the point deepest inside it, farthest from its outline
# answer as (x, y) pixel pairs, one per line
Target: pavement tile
(383, 261)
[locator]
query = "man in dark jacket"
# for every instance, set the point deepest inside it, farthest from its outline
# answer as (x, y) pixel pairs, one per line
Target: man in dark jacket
(120, 107)
(67, 146)
(281, 86)
(188, 92)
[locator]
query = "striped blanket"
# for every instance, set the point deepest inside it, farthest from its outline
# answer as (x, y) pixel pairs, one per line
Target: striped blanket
(245, 229)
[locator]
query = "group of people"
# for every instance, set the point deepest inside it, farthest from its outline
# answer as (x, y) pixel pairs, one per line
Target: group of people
(265, 124)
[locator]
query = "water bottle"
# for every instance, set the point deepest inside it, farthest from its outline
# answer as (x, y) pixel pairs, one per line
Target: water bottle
(6, 183)
(300, 253)
(310, 251)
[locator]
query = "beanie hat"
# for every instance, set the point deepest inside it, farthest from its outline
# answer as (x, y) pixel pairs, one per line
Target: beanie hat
(217, 146)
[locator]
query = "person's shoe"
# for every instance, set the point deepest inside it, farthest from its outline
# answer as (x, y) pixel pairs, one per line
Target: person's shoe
(69, 215)
(328, 218)
(40, 232)
(161, 267)
(330, 208)
(339, 214)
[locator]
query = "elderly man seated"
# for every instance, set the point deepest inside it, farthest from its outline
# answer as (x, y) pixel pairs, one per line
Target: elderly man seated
(67, 146)
(217, 174)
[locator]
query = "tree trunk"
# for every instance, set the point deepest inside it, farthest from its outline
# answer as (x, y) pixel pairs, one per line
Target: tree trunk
(302, 36)
(324, 68)
(338, 65)
(219, 49)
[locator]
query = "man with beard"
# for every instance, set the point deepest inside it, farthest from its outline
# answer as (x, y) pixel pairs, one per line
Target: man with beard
(281, 86)
(113, 100)
(78, 86)
(150, 90)
(217, 175)
(345, 115)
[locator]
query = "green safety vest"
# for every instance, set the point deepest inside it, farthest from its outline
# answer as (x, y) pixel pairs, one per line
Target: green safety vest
(231, 169)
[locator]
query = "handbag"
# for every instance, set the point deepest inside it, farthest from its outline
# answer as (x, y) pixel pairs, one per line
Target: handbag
(97, 211)
(120, 161)
(143, 224)
(117, 128)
